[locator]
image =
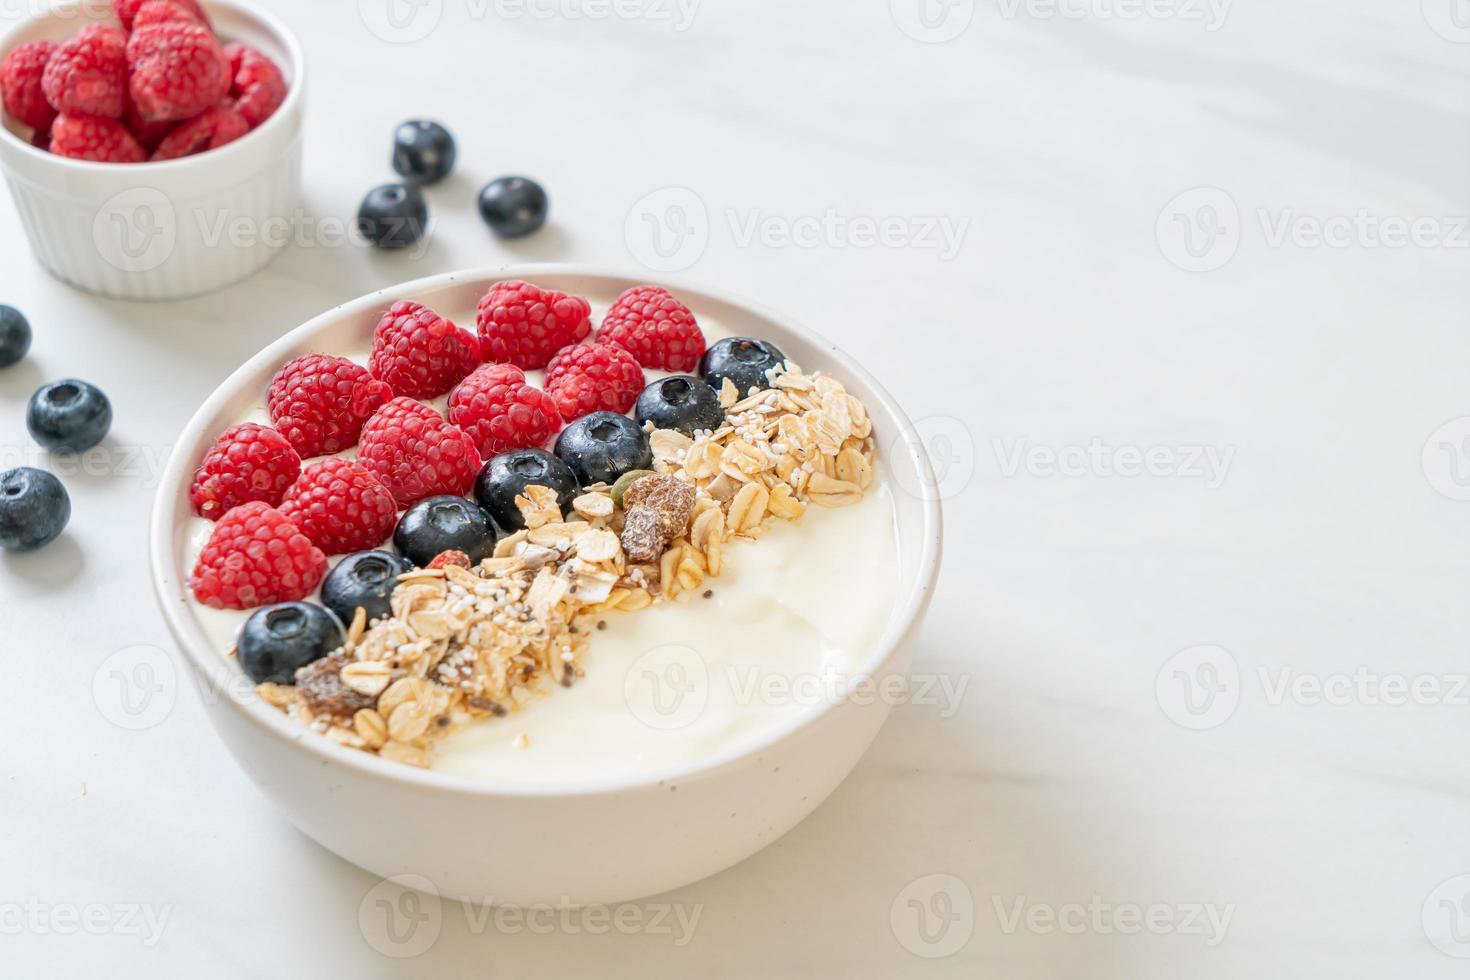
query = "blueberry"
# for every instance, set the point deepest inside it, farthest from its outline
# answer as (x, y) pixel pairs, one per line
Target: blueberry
(680, 402)
(364, 580)
(513, 206)
(34, 509)
(438, 524)
(423, 151)
(69, 416)
(15, 336)
(278, 640)
(603, 446)
(508, 474)
(393, 216)
(744, 360)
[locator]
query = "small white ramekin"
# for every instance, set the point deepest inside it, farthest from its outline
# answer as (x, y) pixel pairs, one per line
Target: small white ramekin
(584, 842)
(154, 231)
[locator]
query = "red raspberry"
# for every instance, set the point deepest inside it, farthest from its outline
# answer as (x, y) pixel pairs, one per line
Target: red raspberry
(128, 10)
(248, 462)
(256, 84)
(89, 73)
(320, 402)
(500, 412)
(416, 453)
(586, 378)
(525, 324)
(419, 353)
(94, 138)
(341, 506)
(654, 327)
(256, 557)
(20, 79)
(178, 70)
(209, 130)
(148, 134)
(162, 11)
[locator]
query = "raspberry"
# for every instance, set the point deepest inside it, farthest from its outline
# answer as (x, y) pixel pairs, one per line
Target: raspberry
(341, 506)
(419, 353)
(89, 73)
(128, 10)
(320, 402)
(20, 79)
(161, 11)
(209, 130)
(178, 70)
(416, 453)
(248, 462)
(500, 412)
(586, 378)
(256, 557)
(654, 327)
(148, 134)
(256, 84)
(94, 138)
(525, 324)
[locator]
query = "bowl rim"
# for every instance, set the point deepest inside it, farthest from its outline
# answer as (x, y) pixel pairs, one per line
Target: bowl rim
(279, 119)
(218, 676)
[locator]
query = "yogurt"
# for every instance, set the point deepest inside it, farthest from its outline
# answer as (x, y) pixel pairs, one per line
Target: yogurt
(790, 621)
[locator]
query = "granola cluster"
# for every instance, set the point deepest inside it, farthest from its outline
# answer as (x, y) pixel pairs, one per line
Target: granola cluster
(464, 644)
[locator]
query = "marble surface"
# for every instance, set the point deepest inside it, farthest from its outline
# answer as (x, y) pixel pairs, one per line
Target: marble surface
(1177, 292)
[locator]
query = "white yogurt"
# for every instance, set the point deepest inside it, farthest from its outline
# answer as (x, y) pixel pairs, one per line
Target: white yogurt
(792, 617)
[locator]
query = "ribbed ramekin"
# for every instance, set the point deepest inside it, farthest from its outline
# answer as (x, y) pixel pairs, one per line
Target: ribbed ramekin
(153, 231)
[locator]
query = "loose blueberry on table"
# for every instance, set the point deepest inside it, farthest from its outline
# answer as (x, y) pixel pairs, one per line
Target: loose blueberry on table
(423, 151)
(514, 207)
(744, 360)
(603, 446)
(34, 509)
(507, 475)
(393, 216)
(278, 640)
(69, 416)
(15, 336)
(445, 523)
(364, 581)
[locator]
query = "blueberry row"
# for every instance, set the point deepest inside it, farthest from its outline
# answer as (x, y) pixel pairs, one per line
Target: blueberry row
(67, 416)
(396, 215)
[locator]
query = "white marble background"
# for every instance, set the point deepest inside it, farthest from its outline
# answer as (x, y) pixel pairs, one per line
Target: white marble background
(1323, 547)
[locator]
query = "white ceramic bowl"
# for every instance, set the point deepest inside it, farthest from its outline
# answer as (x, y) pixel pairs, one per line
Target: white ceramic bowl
(162, 230)
(584, 843)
